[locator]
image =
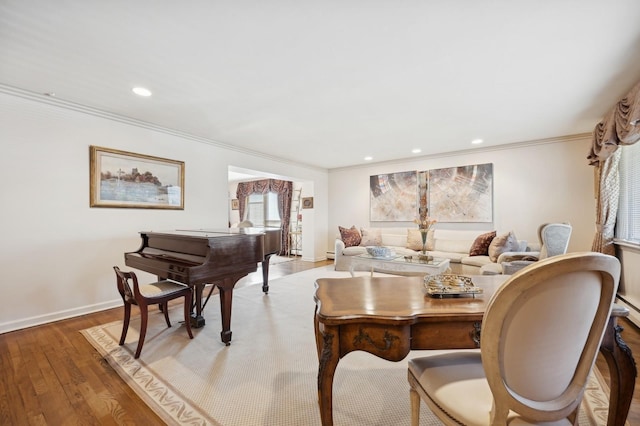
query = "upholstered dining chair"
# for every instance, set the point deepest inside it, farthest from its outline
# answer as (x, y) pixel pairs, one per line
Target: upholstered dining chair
(554, 240)
(539, 339)
(157, 293)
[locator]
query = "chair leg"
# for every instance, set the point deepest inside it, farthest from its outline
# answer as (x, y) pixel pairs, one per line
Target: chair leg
(144, 316)
(125, 323)
(415, 407)
(164, 307)
(187, 313)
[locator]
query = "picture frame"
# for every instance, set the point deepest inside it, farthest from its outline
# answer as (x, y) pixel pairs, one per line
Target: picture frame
(121, 179)
(461, 194)
(235, 204)
(307, 202)
(393, 197)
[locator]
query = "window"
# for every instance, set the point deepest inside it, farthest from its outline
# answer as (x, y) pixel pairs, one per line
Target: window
(628, 220)
(262, 210)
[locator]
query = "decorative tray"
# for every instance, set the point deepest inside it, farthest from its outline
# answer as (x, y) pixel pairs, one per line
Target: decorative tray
(450, 285)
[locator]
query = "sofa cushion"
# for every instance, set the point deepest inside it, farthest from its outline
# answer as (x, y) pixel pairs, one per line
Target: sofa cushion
(350, 236)
(394, 240)
(452, 256)
(354, 250)
(480, 246)
(371, 237)
(476, 260)
(501, 244)
(455, 246)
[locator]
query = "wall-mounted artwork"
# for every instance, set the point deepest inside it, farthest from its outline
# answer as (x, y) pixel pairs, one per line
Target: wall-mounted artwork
(235, 204)
(393, 197)
(307, 203)
(423, 193)
(461, 194)
(126, 179)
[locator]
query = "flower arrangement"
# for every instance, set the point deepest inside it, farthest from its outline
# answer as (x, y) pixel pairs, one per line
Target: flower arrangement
(425, 223)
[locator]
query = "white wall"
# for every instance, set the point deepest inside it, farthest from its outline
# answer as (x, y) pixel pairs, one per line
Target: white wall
(57, 253)
(533, 184)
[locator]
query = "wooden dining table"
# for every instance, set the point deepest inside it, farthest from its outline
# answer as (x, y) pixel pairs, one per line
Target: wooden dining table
(391, 316)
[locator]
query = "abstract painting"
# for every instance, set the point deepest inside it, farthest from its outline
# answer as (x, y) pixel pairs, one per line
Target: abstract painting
(393, 197)
(461, 194)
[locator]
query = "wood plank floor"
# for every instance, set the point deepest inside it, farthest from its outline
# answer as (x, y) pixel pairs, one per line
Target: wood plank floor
(50, 375)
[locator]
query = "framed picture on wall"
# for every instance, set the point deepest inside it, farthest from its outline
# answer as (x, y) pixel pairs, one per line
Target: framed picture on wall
(393, 197)
(461, 194)
(307, 202)
(235, 204)
(123, 179)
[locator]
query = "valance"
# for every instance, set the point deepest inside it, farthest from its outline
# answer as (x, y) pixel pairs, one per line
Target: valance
(621, 126)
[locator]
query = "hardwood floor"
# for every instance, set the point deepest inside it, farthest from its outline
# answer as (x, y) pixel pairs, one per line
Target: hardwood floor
(50, 375)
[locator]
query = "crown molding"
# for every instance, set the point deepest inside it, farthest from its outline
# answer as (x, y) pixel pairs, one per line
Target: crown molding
(503, 147)
(49, 100)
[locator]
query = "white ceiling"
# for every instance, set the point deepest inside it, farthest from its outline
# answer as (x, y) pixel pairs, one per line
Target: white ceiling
(327, 82)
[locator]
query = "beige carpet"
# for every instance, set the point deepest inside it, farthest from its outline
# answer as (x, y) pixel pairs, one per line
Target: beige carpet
(280, 259)
(268, 374)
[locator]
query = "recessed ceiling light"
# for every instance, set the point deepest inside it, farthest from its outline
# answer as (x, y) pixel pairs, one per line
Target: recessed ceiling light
(141, 91)
(416, 151)
(368, 158)
(477, 141)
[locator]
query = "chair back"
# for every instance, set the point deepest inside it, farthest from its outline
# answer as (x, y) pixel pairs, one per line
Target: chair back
(128, 294)
(554, 239)
(541, 333)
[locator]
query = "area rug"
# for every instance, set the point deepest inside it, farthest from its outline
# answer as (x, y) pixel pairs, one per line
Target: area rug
(268, 375)
(274, 260)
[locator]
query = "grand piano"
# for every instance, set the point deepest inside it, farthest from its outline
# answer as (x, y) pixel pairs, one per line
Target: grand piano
(207, 256)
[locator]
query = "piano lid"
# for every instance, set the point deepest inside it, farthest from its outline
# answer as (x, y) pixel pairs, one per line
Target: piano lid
(212, 233)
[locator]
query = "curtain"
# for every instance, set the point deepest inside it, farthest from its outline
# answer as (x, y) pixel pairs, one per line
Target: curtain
(621, 126)
(284, 189)
(607, 194)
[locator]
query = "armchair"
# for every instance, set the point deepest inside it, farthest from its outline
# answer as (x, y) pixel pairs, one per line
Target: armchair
(528, 370)
(554, 240)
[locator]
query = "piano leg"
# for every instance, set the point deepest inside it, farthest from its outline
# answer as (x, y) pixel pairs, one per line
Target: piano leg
(197, 320)
(265, 273)
(226, 297)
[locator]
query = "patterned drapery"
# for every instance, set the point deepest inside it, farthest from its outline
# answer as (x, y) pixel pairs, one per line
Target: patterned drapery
(620, 127)
(284, 189)
(608, 193)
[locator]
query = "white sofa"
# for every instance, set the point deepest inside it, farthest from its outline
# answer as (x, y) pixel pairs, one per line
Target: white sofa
(450, 244)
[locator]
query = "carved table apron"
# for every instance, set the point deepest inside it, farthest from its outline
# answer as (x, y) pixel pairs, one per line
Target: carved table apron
(390, 316)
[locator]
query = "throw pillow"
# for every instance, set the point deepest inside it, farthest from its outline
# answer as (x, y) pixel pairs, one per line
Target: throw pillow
(414, 239)
(502, 244)
(431, 239)
(480, 246)
(350, 236)
(371, 237)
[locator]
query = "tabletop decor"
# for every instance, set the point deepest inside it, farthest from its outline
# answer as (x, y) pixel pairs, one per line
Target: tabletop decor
(425, 223)
(450, 285)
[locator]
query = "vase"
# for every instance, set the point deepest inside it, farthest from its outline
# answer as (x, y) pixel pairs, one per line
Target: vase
(424, 257)
(423, 234)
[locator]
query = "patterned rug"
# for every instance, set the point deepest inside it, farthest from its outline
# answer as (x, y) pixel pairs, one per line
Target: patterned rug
(268, 375)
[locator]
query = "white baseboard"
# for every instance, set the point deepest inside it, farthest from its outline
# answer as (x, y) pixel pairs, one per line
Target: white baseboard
(19, 324)
(634, 313)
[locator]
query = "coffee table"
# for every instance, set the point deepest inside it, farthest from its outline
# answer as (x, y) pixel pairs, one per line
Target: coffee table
(400, 265)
